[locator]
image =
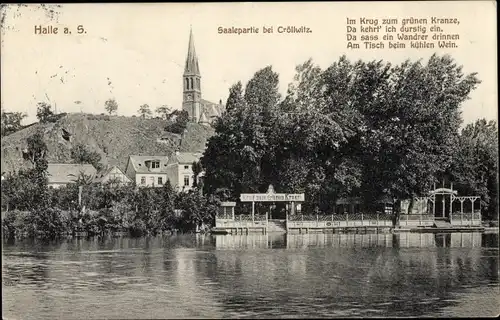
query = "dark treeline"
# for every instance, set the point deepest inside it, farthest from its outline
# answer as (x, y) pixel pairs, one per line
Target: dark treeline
(367, 129)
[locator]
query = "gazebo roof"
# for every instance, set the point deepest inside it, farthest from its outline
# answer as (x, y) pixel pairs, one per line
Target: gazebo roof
(444, 191)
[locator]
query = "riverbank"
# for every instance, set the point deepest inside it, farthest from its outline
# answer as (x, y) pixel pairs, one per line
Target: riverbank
(54, 223)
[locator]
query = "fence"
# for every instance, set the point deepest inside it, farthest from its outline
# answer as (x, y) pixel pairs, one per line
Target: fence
(466, 219)
(414, 220)
(339, 220)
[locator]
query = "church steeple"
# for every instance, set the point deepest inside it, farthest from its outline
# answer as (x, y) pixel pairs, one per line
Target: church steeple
(192, 67)
(191, 101)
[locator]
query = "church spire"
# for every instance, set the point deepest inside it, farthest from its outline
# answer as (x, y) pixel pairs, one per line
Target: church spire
(191, 67)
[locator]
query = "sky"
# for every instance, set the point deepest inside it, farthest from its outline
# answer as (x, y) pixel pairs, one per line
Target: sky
(135, 53)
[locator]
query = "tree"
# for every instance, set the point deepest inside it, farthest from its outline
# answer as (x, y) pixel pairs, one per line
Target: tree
(197, 170)
(11, 122)
(163, 111)
(44, 112)
(37, 153)
(144, 111)
(363, 128)
(180, 119)
(111, 106)
(475, 167)
(80, 154)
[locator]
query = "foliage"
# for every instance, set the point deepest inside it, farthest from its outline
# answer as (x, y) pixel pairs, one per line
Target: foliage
(145, 111)
(81, 154)
(44, 113)
(197, 170)
(475, 165)
(11, 122)
(179, 120)
(363, 128)
(163, 111)
(111, 106)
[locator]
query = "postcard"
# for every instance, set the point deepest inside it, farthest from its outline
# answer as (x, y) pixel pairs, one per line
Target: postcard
(227, 160)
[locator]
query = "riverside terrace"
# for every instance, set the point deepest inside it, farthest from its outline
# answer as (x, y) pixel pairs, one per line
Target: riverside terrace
(441, 210)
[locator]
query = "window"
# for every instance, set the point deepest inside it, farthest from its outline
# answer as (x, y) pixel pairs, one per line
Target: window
(186, 167)
(152, 180)
(155, 164)
(160, 180)
(186, 181)
(143, 180)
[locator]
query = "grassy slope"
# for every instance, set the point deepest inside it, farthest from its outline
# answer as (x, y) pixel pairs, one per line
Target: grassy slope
(114, 139)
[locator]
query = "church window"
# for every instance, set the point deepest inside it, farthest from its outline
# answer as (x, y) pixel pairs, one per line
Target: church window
(190, 83)
(187, 83)
(198, 83)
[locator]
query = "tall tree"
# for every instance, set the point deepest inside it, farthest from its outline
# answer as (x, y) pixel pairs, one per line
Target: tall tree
(145, 111)
(475, 165)
(111, 106)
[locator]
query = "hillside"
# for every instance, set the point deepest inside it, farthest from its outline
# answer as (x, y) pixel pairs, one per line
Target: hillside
(113, 137)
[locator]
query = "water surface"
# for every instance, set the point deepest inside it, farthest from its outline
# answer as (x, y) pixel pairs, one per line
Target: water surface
(253, 276)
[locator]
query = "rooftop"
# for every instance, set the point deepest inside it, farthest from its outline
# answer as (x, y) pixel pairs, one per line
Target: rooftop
(68, 172)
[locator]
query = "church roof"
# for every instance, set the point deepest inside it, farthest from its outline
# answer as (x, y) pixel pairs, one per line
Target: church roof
(192, 66)
(203, 118)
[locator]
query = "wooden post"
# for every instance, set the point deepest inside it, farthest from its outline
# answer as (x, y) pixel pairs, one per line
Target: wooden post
(232, 212)
(317, 220)
(377, 219)
(451, 201)
(347, 219)
(443, 211)
(472, 216)
(434, 202)
(80, 189)
(253, 212)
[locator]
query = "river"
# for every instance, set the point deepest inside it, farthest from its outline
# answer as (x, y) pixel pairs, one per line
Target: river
(253, 276)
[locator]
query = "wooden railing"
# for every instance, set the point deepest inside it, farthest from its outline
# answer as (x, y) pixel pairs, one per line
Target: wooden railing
(339, 220)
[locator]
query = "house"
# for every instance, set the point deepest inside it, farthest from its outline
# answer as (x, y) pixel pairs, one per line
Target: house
(180, 170)
(111, 174)
(61, 174)
(147, 171)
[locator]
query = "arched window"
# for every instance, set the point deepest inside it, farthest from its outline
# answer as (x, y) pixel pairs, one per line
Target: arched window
(187, 84)
(191, 83)
(198, 84)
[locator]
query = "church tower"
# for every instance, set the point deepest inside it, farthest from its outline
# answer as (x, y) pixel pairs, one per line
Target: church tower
(191, 99)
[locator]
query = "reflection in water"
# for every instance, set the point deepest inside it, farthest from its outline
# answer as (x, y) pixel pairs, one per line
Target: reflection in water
(272, 275)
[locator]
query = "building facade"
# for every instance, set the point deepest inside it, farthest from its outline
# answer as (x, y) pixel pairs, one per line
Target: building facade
(199, 110)
(111, 174)
(147, 171)
(180, 170)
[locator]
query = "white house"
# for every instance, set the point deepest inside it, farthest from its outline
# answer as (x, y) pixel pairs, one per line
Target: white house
(180, 170)
(148, 171)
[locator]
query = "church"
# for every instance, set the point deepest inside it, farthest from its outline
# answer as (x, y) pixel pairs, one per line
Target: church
(198, 109)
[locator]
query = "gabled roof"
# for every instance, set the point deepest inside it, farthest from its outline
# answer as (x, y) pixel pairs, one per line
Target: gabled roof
(140, 166)
(185, 157)
(68, 172)
(203, 118)
(104, 172)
